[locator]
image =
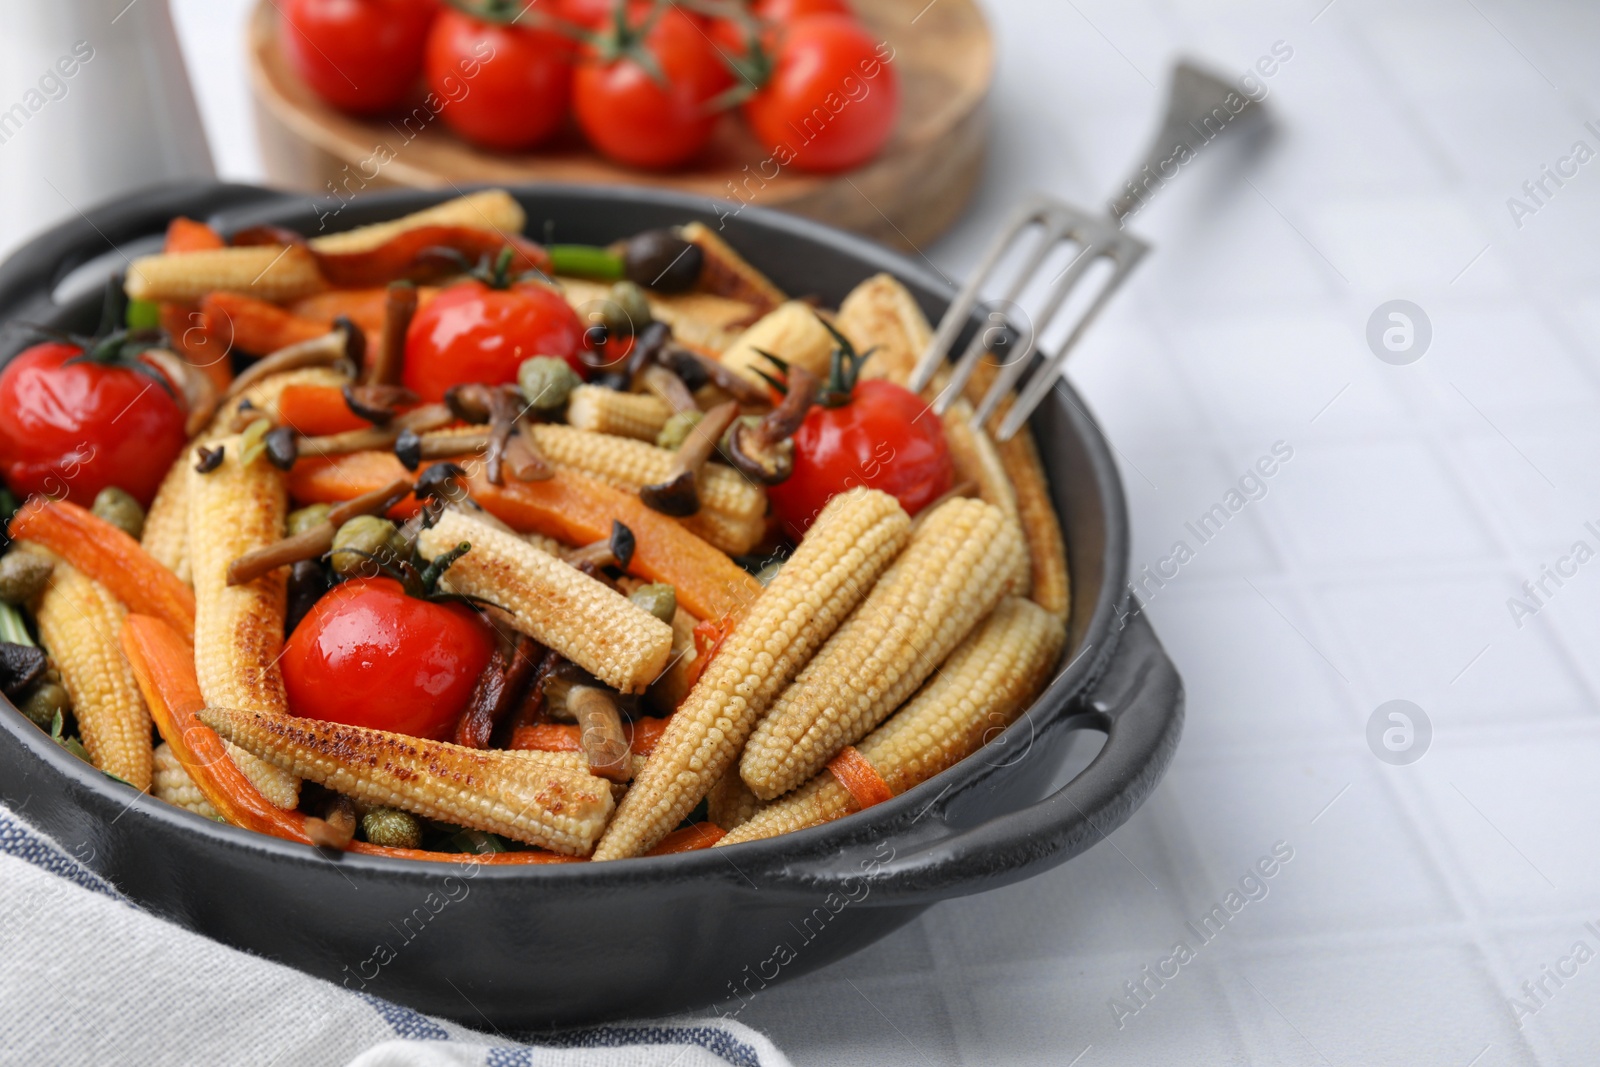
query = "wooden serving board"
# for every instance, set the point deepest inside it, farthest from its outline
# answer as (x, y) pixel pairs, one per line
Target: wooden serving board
(910, 194)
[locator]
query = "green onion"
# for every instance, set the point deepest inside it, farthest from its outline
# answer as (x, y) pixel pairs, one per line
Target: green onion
(143, 315)
(12, 629)
(585, 261)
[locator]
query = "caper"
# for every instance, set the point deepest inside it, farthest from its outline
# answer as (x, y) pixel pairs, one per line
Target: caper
(677, 429)
(307, 517)
(546, 382)
(119, 509)
(362, 545)
(659, 599)
(663, 261)
(626, 312)
(391, 828)
(47, 700)
(23, 576)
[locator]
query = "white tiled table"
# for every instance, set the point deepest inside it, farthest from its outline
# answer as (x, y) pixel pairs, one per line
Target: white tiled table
(1378, 565)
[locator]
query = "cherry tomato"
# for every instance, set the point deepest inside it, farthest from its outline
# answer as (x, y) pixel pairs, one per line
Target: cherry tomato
(832, 99)
(369, 655)
(789, 10)
(359, 55)
(72, 429)
(591, 14)
(472, 333)
(631, 117)
(885, 437)
(502, 87)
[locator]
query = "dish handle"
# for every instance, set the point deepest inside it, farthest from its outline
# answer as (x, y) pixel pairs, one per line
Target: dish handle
(1138, 703)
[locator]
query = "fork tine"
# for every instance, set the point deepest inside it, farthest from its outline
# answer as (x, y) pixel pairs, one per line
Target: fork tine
(961, 309)
(1045, 378)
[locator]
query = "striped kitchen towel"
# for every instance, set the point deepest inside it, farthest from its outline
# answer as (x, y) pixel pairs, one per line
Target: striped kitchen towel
(89, 977)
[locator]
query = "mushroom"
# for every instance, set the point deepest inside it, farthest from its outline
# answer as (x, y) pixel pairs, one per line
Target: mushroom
(344, 342)
(669, 387)
(378, 403)
(316, 541)
(723, 377)
(599, 720)
(614, 551)
(418, 420)
(499, 689)
(283, 447)
(677, 495)
(399, 306)
(764, 450)
(20, 667)
(199, 392)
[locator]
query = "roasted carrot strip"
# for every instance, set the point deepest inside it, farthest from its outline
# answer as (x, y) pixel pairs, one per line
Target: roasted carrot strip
(163, 664)
(860, 777)
(364, 307)
(578, 510)
(642, 735)
(190, 333)
(317, 410)
(187, 235)
(689, 839)
(335, 479)
(110, 557)
(255, 326)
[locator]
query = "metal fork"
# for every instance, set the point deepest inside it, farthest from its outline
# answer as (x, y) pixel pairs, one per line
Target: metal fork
(1200, 108)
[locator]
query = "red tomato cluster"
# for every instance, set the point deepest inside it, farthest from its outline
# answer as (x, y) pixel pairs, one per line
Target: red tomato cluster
(645, 82)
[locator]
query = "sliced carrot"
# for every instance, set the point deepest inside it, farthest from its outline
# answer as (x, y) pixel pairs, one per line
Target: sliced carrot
(570, 507)
(642, 734)
(110, 557)
(190, 332)
(860, 777)
(689, 839)
(187, 235)
(163, 664)
(315, 410)
(579, 510)
(255, 326)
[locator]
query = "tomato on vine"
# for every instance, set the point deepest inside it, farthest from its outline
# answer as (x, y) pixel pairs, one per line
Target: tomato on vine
(873, 433)
(503, 83)
(362, 56)
(481, 330)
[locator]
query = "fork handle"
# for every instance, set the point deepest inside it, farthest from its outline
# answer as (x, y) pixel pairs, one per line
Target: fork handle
(1200, 108)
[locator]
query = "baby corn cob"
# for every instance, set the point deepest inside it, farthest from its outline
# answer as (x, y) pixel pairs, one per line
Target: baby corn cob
(601, 410)
(881, 314)
(700, 320)
(983, 687)
(849, 545)
(977, 460)
(727, 273)
(525, 799)
(960, 562)
(730, 802)
(791, 332)
(80, 624)
(166, 524)
(265, 272)
(490, 209)
(553, 602)
(173, 784)
(736, 537)
(238, 633)
(629, 464)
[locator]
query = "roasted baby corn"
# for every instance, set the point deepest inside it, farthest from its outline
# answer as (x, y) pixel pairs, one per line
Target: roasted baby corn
(553, 602)
(977, 460)
(850, 544)
(961, 560)
(881, 314)
(730, 801)
(238, 634)
(266, 272)
(792, 332)
(601, 410)
(491, 209)
(510, 793)
(80, 623)
(166, 524)
(987, 682)
(629, 464)
(173, 784)
(727, 273)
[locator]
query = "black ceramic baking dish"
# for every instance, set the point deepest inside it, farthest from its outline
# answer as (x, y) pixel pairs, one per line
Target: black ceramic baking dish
(548, 945)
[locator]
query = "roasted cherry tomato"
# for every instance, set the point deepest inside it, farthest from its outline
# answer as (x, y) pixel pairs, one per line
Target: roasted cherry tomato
(789, 10)
(651, 119)
(368, 654)
(504, 87)
(884, 437)
(73, 425)
(473, 333)
(832, 98)
(363, 56)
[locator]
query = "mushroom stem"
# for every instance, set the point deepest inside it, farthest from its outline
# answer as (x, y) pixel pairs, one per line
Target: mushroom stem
(764, 451)
(505, 406)
(677, 495)
(344, 341)
(523, 457)
(309, 544)
(723, 377)
(377, 403)
(600, 733)
(669, 387)
(398, 308)
(417, 420)
(614, 551)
